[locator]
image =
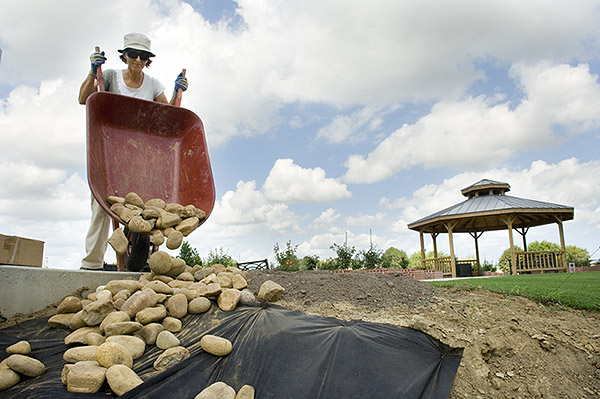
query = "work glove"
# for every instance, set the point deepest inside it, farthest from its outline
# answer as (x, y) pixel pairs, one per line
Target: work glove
(181, 82)
(96, 59)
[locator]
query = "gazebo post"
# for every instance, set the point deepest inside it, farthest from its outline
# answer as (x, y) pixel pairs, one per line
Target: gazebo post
(513, 255)
(422, 248)
(563, 247)
(433, 238)
(450, 227)
(475, 237)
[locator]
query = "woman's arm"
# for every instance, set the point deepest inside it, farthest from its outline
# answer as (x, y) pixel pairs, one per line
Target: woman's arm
(88, 87)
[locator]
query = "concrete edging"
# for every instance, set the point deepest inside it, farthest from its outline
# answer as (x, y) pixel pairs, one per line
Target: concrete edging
(25, 290)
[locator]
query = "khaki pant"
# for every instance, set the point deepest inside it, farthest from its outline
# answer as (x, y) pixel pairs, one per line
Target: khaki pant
(95, 242)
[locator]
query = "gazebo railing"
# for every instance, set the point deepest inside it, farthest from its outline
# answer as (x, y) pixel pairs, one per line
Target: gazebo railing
(443, 264)
(529, 261)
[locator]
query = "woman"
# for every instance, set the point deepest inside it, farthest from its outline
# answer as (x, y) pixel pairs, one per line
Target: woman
(132, 82)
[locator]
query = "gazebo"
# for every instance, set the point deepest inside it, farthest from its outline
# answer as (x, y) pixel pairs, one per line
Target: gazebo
(487, 208)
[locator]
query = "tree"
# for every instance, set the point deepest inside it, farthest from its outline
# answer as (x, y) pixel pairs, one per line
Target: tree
(189, 255)
(287, 259)
(221, 257)
(543, 246)
(579, 256)
(345, 255)
(414, 261)
(369, 259)
(504, 263)
(394, 258)
(310, 262)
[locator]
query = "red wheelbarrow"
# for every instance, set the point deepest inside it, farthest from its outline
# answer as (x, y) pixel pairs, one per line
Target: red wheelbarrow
(152, 149)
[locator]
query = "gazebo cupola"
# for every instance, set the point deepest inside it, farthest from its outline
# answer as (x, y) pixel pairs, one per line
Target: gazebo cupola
(485, 187)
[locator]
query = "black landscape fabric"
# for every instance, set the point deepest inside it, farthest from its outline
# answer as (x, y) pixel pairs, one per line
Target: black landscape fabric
(282, 353)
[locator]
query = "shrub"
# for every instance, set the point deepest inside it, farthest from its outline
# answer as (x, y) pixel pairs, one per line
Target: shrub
(287, 259)
(189, 255)
(220, 256)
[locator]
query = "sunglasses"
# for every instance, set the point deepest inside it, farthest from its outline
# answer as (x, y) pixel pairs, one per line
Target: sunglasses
(144, 56)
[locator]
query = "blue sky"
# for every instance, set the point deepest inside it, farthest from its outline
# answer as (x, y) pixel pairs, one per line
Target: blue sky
(324, 119)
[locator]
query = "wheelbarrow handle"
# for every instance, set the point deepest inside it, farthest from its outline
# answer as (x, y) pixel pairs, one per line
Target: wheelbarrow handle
(99, 76)
(179, 92)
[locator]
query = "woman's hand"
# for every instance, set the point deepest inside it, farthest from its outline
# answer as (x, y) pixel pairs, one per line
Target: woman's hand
(181, 83)
(96, 59)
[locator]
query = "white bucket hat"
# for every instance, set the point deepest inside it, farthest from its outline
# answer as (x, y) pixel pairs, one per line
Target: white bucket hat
(136, 41)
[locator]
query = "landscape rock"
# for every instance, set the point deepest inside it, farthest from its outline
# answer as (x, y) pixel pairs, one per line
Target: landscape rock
(160, 262)
(8, 379)
(61, 320)
(245, 392)
(84, 377)
(178, 266)
(118, 241)
(199, 305)
(26, 365)
(151, 212)
(76, 321)
(136, 302)
(270, 291)
(111, 353)
(20, 348)
(157, 238)
(211, 290)
(114, 317)
(79, 336)
(228, 299)
(138, 224)
(134, 199)
(122, 328)
(166, 340)
(218, 390)
(95, 312)
(151, 315)
(171, 357)
(135, 345)
(187, 226)
(80, 353)
(172, 324)
(160, 287)
(177, 306)
(247, 296)
(167, 219)
(174, 239)
(216, 346)
(115, 286)
(94, 339)
(70, 304)
(113, 199)
(239, 282)
(155, 202)
(224, 279)
(122, 379)
(186, 276)
(150, 332)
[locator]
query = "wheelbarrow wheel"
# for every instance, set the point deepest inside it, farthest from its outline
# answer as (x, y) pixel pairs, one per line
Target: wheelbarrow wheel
(136, 256)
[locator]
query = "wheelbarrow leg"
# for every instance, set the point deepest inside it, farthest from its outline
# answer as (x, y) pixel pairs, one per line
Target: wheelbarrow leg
(120, 258)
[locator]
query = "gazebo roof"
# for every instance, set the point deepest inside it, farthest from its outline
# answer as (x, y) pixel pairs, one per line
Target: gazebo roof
(486, 209)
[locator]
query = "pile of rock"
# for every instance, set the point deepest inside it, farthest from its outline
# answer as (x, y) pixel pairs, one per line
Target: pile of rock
(163, 221)
(112, 327)
(17, 364)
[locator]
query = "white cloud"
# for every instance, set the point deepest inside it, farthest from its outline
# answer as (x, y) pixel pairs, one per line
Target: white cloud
(288, 182)
(326, 219)
(353, 127)
(478, 133)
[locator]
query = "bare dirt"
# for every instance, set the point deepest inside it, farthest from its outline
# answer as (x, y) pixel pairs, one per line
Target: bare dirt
(513, 347)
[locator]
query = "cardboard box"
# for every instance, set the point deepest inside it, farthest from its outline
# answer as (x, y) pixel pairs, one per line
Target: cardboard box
(21, 251)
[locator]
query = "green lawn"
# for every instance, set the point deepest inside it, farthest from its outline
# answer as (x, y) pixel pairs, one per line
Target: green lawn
(576, 290)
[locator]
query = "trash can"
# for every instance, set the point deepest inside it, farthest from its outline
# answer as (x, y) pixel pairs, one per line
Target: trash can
(464, 270)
